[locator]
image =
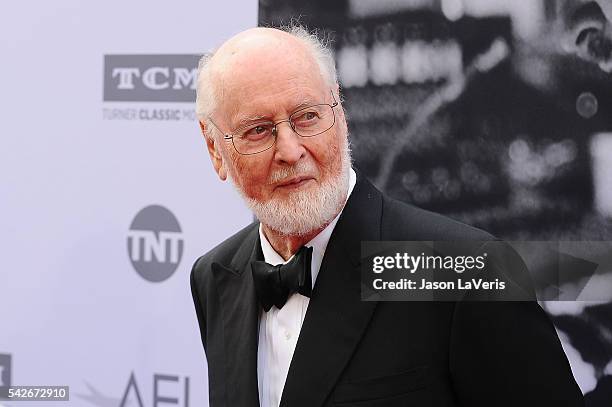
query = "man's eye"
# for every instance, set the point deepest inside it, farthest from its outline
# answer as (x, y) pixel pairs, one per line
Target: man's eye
(257, 132)
(307, 117)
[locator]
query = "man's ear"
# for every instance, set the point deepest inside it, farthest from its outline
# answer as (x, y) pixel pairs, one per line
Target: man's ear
(213, 151)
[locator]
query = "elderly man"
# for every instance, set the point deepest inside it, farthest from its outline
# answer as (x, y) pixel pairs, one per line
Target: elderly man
(298, 334)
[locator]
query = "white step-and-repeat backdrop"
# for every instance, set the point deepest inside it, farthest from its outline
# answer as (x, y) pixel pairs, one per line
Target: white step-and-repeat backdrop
(107, 196)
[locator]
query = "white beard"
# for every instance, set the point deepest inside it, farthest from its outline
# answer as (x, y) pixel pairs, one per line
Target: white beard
(303, 211)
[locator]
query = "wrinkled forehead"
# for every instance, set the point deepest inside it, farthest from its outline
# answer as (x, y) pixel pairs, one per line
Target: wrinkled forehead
(249, 67)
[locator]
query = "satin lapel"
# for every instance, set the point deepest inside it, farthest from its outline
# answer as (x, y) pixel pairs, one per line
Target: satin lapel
(336, 317)
(240, 313)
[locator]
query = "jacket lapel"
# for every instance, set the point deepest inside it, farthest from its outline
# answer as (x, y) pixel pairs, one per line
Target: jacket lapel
(336, 317)
(240, 313)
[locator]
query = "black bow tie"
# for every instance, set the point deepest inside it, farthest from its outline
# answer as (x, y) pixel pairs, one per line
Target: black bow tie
(274, 284)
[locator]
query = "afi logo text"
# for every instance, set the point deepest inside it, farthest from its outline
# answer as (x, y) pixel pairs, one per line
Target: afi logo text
(176, 393)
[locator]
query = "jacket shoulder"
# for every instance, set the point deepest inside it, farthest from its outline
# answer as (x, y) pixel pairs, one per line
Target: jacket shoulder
(224, 252)
(402, 221)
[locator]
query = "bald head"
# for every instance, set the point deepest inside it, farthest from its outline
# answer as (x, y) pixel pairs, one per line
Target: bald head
(257, 56)
(255, 41)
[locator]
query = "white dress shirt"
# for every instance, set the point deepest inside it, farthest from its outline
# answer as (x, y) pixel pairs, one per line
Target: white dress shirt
(279, 328)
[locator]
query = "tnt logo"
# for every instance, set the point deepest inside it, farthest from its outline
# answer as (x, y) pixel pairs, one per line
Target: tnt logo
(155, 243)
(5, 374)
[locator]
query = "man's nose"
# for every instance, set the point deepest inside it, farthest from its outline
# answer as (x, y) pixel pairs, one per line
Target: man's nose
(289, 148)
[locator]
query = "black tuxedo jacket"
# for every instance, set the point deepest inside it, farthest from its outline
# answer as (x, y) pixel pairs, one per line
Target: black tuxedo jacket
(366, 354)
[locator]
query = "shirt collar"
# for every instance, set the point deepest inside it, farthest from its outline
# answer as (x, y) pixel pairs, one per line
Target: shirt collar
(318, 243)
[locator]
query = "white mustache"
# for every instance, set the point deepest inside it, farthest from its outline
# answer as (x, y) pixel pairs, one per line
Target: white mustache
(301, 168)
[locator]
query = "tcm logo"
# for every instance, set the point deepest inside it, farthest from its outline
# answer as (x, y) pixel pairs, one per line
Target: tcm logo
(155, 243)
(150, 78)
(5, 374)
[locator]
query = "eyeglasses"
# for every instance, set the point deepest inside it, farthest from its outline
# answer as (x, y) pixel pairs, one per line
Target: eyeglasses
(259, 136)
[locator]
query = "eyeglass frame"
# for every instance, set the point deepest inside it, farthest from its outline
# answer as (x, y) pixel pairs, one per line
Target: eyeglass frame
(230, 136)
